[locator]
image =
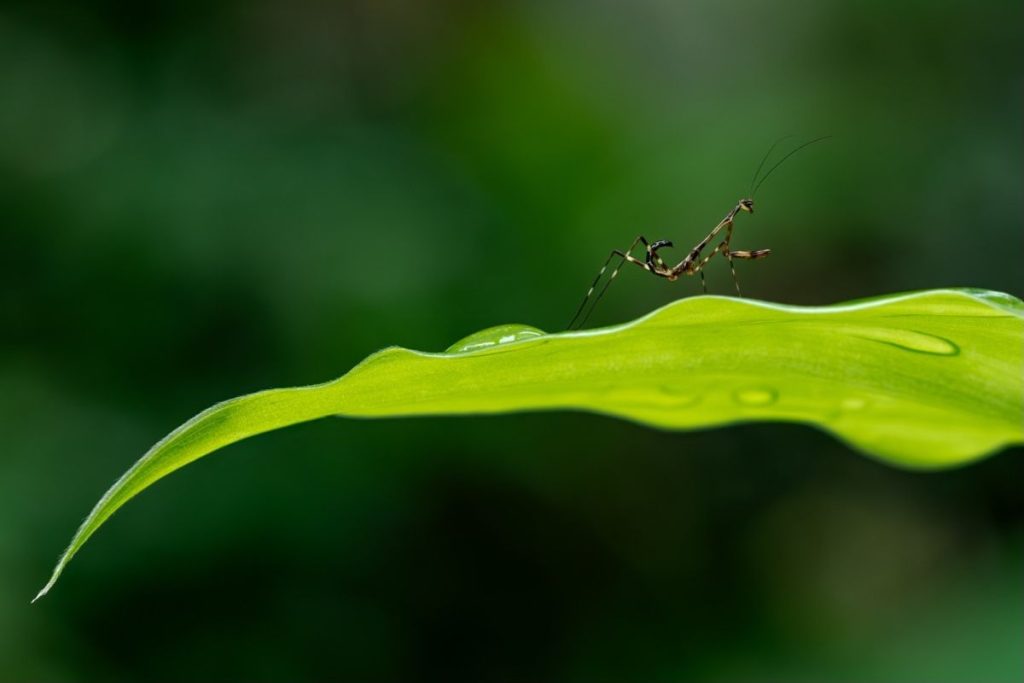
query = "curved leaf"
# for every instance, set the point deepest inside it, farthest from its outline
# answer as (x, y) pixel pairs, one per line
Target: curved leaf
(924, 380)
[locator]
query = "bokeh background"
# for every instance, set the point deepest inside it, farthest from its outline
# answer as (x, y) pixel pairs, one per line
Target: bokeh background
(203, 199)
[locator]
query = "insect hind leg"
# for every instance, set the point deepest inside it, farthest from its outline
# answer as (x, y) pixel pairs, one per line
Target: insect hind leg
(625, 256)
(747, 255)
(750, 255)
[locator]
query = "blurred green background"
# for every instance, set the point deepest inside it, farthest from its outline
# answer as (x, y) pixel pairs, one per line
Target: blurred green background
(200, 200)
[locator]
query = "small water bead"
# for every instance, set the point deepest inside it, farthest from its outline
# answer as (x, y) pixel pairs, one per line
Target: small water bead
(909, 340)
(1000, 300)
(853, 404)
(495, 336)
(678, 391)
(756, 396)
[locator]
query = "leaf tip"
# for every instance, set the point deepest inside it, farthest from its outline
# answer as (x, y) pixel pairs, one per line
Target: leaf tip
(49, 584)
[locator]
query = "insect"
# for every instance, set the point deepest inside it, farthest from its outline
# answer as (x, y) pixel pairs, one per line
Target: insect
(694, 261)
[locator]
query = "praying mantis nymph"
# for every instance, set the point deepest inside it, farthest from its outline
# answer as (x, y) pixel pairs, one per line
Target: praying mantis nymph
(694, 262)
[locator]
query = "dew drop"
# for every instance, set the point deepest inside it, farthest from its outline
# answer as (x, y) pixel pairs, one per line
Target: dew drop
(677, 398)
(909, 340)
(650, 398)
(494, 336)
(1006, 302)
(756, 396)
(853, 403)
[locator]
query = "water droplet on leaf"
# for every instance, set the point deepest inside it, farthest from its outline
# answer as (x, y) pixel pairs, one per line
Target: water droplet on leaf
(494, 336)
(853, 404)
(909, 340)
(756, 396)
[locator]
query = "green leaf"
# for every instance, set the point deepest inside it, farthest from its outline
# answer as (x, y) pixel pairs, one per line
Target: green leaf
(924, 380)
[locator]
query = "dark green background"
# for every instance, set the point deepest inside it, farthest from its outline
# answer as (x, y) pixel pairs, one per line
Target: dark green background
(200, 200)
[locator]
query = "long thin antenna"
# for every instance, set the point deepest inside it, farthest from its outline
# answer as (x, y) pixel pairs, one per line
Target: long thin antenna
(779, 163)
(764, 159)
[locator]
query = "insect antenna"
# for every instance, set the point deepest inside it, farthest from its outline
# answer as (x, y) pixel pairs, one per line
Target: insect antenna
(779, 162)
(764, 159)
